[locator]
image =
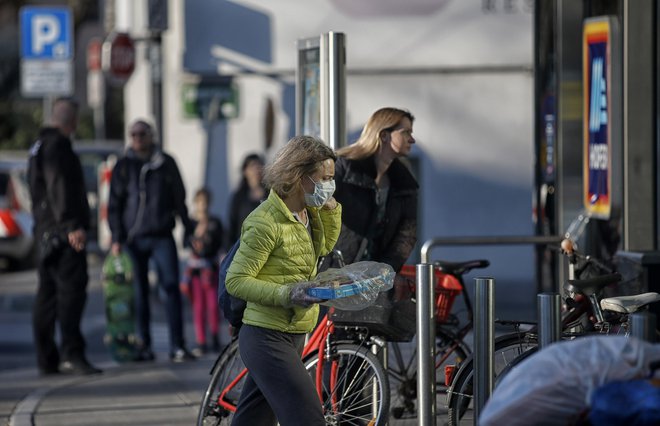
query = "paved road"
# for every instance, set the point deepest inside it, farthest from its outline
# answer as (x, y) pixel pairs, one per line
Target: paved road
(155, 393)
(158, 393)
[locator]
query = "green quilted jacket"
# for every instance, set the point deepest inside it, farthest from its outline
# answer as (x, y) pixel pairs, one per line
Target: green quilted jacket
(276, 252)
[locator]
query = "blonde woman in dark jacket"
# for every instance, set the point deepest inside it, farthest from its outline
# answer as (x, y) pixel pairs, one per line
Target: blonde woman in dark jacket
(381, 224)
(281, 241)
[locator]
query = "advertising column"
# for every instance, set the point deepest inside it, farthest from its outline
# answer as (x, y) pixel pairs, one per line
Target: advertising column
(321, 88)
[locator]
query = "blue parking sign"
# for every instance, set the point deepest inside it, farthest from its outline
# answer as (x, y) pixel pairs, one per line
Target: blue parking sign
(46, 33)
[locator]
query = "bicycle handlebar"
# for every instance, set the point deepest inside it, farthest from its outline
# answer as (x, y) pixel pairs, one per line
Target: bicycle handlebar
(567, 247)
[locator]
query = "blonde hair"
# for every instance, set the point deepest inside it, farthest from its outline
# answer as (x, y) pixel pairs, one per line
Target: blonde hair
(385, 119)
(301, 156)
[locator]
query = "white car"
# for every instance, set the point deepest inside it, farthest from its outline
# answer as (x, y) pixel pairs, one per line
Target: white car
(16, 222)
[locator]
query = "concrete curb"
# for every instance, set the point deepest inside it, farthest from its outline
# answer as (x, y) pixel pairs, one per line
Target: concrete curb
(23, 413)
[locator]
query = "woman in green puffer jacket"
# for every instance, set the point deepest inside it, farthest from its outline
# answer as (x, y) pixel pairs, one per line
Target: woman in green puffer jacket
(281, 242)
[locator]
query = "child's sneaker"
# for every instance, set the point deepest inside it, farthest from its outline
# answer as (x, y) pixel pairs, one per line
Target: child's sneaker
(181, 355)
(200, 350)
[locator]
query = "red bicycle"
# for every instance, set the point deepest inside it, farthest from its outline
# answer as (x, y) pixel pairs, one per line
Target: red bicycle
(351, 382)
(450, 331)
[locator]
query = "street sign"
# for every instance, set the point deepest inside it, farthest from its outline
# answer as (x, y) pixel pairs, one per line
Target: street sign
(210, 101)
(94, 54)
(157, 11)
(46, 33)
(46, 51)
(118, 57)
(42, 78)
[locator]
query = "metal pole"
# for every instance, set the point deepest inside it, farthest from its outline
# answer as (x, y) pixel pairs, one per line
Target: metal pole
(484, 342)
(324, 88)
(48, 102)
(549, 318)
(643, 325)
(486, 241)
(99, 118)
(425, 346)
(336, 90)
(156, 61)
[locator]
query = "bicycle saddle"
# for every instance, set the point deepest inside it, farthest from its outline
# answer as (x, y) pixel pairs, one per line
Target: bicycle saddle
(460, 268)
(628, 304)
(591, 286)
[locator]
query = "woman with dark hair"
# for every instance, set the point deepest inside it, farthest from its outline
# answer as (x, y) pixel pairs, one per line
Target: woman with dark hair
(248, 195)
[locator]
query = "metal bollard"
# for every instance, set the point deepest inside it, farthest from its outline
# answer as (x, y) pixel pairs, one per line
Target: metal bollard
(425, 346)
(549, 318)
(484, 343)
(643, 325)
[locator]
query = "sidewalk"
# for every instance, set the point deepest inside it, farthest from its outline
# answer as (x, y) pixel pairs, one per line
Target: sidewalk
(152, 393)
(157, 393)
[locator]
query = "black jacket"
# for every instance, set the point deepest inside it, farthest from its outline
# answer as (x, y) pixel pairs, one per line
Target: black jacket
(57, 186)
(393, 239)
(241, 206)
(212, 240)
(145, 197)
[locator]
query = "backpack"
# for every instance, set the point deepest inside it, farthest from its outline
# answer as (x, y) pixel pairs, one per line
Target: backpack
(232, 307)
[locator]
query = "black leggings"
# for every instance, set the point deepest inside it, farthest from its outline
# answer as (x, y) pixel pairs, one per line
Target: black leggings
(277, 388)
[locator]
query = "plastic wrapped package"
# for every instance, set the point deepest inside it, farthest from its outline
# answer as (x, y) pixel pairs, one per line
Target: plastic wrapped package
(353, 287)
(555, 385)
(389, 313)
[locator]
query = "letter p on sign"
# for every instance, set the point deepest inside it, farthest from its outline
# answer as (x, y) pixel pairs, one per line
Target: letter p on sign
(46, 33)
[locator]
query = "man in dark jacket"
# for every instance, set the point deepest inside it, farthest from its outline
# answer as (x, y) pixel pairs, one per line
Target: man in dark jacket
(146, 194)
(61, 220)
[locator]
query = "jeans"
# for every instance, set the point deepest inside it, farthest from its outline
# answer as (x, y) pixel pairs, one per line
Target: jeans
(162, 251)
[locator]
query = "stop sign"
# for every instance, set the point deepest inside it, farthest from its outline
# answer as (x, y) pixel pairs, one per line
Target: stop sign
(119, 57)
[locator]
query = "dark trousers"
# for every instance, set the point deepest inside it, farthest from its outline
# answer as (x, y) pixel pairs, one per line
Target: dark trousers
(60, 299)
(277, 388)
(162, 251)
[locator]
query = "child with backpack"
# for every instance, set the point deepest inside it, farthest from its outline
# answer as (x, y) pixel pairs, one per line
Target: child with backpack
(200, 276)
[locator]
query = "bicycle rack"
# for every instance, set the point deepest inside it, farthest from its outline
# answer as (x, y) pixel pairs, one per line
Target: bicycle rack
(484, 343)
(549, 318)
(643, 325)
(484, 324)
(425, 345)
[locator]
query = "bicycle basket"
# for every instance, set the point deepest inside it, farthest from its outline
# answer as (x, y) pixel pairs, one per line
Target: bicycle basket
(390, 317)
(447, 288)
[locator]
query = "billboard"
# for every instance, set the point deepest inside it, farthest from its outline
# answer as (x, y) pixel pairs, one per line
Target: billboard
(309, 95)
(321, 88)
(601, 119)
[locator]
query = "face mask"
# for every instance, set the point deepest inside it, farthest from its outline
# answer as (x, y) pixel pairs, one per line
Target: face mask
(322, 192)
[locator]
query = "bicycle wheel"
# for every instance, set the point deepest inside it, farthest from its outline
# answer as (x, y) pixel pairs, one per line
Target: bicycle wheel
(508, 349)
(402, 371)
(226, 369)
(358, 391)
